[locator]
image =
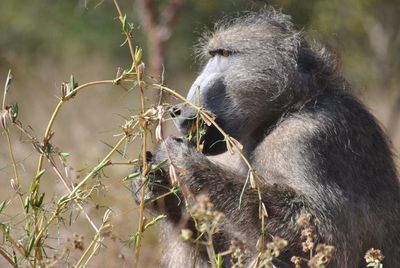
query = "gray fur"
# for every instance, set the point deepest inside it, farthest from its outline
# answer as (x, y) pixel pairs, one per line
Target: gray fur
(317, 147)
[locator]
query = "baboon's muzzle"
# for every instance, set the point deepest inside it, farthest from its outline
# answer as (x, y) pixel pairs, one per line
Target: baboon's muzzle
(184, 117)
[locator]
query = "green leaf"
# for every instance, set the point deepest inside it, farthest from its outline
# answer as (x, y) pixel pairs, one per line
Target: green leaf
(26, 204)
(2, 206)
(112, 147)
(63, 154)
(155, 167)
(40, 201)
(123, 21)
(30, 245)
(100, 166)
(138, 55)
(72, 83)
(40, 174)
(132, 176)
(219, 261)
(35, 183)
(64, 199)
(131, 240)
(154, 221)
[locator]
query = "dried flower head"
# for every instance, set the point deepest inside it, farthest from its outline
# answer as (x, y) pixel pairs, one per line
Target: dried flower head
(309, 231)
(128, 128)
(272, 250)
(297, 261)
(320, 254)
(207, 216)
(238, 251)
(323, 256)
(374, 258)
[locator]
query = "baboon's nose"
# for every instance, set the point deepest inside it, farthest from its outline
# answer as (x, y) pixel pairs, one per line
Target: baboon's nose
(176, 111)
(183, 116)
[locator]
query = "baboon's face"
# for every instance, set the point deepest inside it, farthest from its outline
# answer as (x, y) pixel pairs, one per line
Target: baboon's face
(247, 70)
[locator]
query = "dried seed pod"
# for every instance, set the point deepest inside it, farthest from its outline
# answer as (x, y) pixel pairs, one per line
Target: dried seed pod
(252, 180)
(127, 128)
(159, 136)
(264, 212)
(160, 113)
(14, 185)
(205, 115)
(119, 72)
(237, 146)
(140, 71)
(5, 118)
(64, 90)
(172, 175)
(260, 243)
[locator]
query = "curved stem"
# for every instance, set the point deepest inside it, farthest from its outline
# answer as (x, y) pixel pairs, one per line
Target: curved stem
(58, 108)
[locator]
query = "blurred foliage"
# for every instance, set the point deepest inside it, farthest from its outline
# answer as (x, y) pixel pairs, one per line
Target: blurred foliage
(366, 33)
(44, 41)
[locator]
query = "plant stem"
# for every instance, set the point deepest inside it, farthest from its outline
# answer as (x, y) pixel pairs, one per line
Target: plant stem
(101, 164)
(7, 258)
(139, 74)
(14, 163)
(128, 37)
(58, 108)
(144, 167)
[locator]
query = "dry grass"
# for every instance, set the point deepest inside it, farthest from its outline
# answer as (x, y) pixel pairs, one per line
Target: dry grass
(86, 215)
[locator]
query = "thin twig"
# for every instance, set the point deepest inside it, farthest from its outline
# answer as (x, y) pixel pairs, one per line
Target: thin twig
(14, 164)
(139, 74)
(7, 258)
(58, 108)
(97, 239)
(96, 169)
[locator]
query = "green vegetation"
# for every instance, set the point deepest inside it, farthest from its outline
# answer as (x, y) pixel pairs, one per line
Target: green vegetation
(52, 214)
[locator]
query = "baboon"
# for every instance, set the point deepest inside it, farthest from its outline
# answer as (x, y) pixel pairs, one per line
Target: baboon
(315, 146)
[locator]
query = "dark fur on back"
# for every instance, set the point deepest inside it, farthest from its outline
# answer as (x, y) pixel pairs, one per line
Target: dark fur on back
(316, 147)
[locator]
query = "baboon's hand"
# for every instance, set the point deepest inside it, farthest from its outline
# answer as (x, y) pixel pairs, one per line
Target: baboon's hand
(186, 162)
(175, 151)
(155, 183)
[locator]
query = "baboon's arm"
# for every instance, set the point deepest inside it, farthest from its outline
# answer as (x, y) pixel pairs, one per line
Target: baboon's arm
(225, 191)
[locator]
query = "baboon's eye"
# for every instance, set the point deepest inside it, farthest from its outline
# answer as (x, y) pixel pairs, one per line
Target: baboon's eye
(220, 52)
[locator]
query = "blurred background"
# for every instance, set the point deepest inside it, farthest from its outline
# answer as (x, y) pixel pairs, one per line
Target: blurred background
(43, 42)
